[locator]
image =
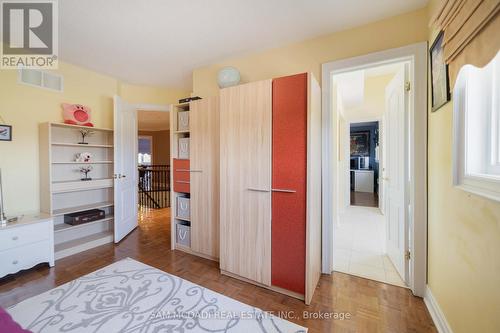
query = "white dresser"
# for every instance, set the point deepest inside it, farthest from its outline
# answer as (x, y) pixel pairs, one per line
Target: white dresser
(26, 243)
(363, 180)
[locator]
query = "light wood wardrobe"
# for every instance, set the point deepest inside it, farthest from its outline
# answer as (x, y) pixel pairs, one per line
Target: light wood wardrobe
(195, 177)
(270, 184)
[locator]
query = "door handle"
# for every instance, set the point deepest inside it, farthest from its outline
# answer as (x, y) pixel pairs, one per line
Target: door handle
(283, 190)
(182, 181)
(257, 189)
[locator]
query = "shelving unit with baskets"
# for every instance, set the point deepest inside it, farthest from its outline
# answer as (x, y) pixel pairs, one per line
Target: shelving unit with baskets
(62, 190)
(195, 177)
(181, 222)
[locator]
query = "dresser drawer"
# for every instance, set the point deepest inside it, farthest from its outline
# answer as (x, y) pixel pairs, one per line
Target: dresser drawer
(26, 234)
(24, 257)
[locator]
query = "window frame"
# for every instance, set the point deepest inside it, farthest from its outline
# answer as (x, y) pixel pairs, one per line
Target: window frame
(486, 181)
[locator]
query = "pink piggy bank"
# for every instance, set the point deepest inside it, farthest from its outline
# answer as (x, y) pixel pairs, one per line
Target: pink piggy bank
(76, 114)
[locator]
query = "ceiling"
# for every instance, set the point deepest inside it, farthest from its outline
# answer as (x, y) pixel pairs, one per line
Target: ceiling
(153, 120)
(160, 42)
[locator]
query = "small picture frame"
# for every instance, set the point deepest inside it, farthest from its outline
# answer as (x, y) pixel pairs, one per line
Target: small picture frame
(5, 133)
(440, 82)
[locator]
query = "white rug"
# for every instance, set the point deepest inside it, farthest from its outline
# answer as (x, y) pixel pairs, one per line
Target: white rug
(129, 296)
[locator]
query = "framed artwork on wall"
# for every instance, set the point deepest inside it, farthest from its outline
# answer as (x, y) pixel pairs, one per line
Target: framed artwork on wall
(440, 86)
(5, 133)
(360, 143)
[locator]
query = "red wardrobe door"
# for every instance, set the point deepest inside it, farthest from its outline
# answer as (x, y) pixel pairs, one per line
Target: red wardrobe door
(289, 173)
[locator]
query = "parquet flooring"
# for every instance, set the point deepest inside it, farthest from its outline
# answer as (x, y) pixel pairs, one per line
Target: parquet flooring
(371, 306)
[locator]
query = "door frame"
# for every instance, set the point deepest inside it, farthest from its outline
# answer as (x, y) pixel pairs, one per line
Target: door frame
(416, 55)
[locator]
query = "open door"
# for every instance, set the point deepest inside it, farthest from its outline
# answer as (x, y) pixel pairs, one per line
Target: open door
(394, 174)
(125, 174)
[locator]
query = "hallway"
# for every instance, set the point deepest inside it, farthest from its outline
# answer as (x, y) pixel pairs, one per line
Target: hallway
(359, 246)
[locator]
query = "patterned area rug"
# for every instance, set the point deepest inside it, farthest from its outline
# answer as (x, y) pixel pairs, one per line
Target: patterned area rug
(129, 296)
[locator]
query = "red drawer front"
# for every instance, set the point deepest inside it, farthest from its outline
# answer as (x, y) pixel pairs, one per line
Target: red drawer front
(289, 173)
(181, 175)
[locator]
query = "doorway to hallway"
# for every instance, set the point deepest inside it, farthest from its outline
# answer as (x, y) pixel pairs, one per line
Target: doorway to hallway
(369, 241)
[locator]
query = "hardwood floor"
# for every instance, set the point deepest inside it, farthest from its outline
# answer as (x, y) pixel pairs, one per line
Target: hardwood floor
(372, 306)
(364, 199)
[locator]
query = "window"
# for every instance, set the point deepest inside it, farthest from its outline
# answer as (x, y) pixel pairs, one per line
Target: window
(477, 130)
(145, 154)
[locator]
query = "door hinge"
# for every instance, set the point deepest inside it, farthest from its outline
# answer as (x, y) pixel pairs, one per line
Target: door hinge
(407, 86)
(407, 255)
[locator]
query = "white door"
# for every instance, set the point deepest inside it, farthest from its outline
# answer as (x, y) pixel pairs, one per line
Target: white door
(394, 174)
(125, 160)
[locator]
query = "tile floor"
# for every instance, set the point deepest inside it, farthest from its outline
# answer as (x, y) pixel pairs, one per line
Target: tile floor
(359, 246)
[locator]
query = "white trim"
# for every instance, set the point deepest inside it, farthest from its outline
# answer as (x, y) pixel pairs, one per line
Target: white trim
(416, 54)
(436, 313)
(152, 107)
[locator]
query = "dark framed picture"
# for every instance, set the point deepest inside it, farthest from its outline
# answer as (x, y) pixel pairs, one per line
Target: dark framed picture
(5, 133)
(440, 86)
(360, 143)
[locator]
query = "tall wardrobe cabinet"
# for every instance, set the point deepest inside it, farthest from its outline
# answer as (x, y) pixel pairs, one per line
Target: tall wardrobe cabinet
(270, 163)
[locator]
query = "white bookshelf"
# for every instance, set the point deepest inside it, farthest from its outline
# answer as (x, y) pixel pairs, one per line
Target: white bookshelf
(63, 192)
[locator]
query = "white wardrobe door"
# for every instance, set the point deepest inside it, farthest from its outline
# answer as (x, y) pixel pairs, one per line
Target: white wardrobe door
(245, 180)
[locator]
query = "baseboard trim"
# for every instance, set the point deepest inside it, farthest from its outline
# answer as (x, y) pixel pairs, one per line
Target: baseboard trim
(436, 313)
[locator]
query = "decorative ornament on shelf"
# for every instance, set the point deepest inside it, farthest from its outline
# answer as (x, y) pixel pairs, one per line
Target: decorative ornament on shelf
(85, 133)
(84, 170)
(228, 77)
(83, 157)
(77, 114)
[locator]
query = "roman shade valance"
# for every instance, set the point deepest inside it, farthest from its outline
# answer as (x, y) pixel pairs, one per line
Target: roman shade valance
(471, 32)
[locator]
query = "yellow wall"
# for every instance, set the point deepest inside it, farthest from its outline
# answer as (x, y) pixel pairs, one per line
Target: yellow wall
(464, 237)
(309, 55)
(374, 100)
(151, 95)
(24, 107)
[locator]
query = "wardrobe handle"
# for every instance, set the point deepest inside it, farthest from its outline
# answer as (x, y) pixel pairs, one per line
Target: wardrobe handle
(284, 191)
(195, 170)
(182, 181)
(257, 189)
(182, 170)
